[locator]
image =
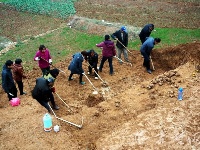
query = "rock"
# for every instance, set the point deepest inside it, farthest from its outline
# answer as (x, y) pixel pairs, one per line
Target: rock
(176, 86)
(177, 74)
(96, 114)
(117, 104)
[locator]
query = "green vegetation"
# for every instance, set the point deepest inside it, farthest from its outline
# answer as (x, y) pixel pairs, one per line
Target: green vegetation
(66, 41)
(171, 37)
(61, 43)
(61, 9)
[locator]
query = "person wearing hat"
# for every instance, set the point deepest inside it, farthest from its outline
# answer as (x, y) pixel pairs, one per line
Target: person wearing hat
(43, 94)
(122, 42)
(18, 74)
(146, 49)
(44, 59)
(108, 51)
(92, 58)
(145, 32)
(53, 73)
(8, 83)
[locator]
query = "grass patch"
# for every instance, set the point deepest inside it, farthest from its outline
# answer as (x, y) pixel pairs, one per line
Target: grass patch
(170, 36)
(66, 41)
(3, 0)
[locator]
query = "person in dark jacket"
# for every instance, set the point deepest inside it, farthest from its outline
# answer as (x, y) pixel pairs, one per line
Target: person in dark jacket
(122, 42)
(108, 51)
(145, 32)
(42, 92)
(7, 80)
(53, 73)
(18, 74)
(92, 58)
(76, 66)
(146, 49)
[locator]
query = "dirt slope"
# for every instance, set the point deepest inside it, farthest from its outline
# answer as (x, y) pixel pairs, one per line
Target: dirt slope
(136, 111)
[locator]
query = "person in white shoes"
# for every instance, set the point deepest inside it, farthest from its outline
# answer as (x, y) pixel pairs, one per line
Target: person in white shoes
(92, 58)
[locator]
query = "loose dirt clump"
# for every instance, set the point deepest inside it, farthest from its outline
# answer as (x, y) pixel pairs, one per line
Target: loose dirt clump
(172, 57)
(94, 99)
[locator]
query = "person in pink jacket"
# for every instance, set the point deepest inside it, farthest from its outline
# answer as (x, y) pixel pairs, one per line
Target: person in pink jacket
(44, 59)
(108, 51)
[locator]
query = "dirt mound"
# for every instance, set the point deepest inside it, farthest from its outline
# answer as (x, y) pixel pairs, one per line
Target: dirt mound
(136, 111)
(172, 57)
(101, 27)
(93, 100)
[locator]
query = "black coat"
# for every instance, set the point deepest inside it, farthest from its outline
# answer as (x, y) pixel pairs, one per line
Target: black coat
(145, 32)
(93, 60)
(41, 90)
(117, 34)
(7, 79)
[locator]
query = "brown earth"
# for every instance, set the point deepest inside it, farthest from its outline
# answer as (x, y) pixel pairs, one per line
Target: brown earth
(136, 110)
(164, 14)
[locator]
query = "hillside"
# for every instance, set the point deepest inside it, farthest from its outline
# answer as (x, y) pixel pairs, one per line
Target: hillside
(124, 115)
(135, 110)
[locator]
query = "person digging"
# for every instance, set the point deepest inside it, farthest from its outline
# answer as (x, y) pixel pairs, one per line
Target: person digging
(75, 66)
(42, 92)
(146, 49)
(92, 58)
(53, 73)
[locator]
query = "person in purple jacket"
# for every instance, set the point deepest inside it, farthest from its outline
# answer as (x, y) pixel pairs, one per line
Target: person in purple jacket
(146, 49)
(44, 59)
(108, 51)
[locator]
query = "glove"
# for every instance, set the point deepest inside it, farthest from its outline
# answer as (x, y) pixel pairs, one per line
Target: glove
(53, 89)
(37, 58)
(50, 61)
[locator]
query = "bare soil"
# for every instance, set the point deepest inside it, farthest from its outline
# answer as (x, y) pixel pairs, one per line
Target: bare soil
(165, 13)
(136, 110)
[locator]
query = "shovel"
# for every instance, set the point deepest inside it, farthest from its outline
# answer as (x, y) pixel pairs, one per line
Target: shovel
(53, 65)
(124, 46)
(95, 89)
(71, 123)
(63, 101)
(123, 61)
(104, 83)
(152, 63)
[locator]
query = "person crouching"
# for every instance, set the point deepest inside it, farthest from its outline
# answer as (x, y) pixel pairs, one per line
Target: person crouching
(42, 92)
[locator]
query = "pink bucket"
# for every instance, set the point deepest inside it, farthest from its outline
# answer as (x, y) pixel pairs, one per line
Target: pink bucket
(15, 101)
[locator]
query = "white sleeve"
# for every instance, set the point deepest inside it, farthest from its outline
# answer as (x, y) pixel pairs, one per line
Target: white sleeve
(50, 60)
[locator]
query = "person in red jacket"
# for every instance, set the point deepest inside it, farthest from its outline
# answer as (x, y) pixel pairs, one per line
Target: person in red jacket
(108, 51)
(44, 59)
(18, 74)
